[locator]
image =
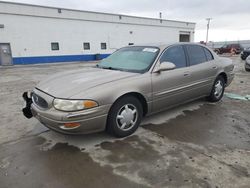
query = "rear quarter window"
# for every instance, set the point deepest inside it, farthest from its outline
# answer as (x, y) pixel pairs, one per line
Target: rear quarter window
(196, 54)
(208, 54)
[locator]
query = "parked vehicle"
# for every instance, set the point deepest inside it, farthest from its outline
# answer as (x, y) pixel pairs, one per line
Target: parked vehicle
(245, 53)
(133, 82)
(229, 48)
(247, 64)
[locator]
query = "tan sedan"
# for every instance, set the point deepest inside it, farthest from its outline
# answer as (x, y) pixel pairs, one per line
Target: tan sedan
(133, 82)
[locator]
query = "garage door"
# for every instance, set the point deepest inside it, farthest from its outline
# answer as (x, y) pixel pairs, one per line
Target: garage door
(184, 36)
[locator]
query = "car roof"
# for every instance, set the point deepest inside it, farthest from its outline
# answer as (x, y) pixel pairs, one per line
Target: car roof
(165, 45)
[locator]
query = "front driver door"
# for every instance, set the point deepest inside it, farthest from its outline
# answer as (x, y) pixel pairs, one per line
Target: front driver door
(171, 87)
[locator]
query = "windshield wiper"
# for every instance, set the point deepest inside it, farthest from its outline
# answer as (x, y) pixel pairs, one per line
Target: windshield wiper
(110, 68)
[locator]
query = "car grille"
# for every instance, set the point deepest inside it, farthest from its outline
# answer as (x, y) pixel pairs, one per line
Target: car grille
(39, 101)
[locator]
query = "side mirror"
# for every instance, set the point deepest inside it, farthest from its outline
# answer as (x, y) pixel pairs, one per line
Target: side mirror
(164, 66)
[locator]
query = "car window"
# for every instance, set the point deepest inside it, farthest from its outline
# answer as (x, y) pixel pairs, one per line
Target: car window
(196, 54)
(175, 55)
(237, 46)
(208, 55)
(132, 59)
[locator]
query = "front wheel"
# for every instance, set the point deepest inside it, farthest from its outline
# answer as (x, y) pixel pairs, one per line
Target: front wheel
(217, 90)
(124, 117)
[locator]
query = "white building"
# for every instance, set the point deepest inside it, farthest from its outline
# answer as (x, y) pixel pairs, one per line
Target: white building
(37, 34)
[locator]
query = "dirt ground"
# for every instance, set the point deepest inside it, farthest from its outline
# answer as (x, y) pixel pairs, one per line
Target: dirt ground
(199, 144)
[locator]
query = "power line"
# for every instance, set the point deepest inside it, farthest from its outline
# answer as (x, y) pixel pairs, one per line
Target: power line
(208, 25)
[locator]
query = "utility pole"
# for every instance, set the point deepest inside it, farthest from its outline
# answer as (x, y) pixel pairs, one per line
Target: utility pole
(208, 25)
(160, 15)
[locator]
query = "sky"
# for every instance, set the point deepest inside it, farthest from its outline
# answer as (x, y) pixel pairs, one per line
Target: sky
(230, 19)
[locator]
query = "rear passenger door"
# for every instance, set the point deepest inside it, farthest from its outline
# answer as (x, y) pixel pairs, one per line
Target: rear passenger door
(203, 69)
(228, 48)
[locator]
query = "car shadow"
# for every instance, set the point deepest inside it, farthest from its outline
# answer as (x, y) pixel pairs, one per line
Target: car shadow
(89, 141)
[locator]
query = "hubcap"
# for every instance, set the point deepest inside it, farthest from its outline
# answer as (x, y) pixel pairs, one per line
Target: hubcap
(126, 117)
(218, 89)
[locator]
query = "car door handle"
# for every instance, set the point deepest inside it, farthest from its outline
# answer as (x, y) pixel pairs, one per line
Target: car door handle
(214, 67)
(186, 74)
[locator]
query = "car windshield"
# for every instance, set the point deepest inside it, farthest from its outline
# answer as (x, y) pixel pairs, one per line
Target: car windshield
(132, 59)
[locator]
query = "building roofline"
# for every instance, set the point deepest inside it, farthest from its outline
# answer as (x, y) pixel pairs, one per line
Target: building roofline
(78, 10)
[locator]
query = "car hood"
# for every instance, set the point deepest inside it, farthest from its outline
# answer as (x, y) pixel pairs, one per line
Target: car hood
(70, 83)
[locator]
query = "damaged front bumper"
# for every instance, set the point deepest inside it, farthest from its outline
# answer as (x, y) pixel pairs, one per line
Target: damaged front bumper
(28, 101)
(88, 121)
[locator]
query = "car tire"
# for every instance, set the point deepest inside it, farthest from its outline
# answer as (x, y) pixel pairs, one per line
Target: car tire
(124, 117)
(248, 70)
(243, 58)
(217, 90)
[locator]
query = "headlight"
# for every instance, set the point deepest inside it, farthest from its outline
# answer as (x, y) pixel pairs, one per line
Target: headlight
(73, 105)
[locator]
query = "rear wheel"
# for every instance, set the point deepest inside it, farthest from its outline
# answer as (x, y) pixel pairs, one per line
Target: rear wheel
(218, 90)
(124, 117)
(248, 70)
(243, 57)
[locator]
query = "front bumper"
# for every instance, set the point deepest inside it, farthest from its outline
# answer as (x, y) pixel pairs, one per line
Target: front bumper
(90, 120)
(247, 65)
(244, 56)
(26, 110)
(230, 77)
